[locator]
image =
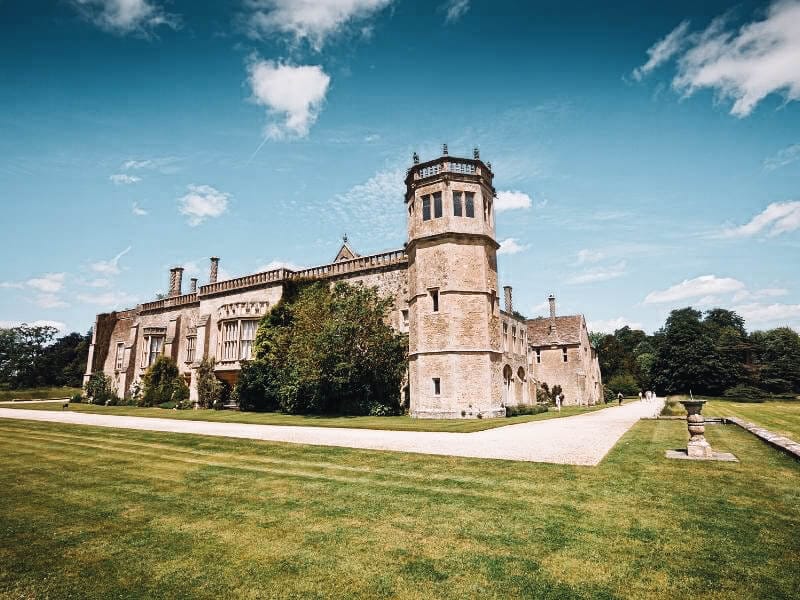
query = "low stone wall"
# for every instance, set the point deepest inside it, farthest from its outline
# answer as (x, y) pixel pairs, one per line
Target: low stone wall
(785, 444)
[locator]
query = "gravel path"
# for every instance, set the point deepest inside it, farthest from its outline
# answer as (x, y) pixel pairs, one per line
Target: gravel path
(578, 440)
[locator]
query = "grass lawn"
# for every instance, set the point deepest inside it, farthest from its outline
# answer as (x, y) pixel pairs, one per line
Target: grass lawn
(38, 393)
(98, 513)
(779, 416)
(393, 423)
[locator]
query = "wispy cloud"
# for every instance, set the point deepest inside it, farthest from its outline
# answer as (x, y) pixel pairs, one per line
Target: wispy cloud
(163, 164)
(599, 273)
(122, 17)
(777, 313)
(111, 299)
(454, 10)
(783, 157)
(203, 202)
(757, 294)
(511, 246)
(109, 267)
(50, 282)
(312, 21)
(124, 179)
(611, 325)
(138, 210)
(777, 218)
(49, 301)
(279, 264)
(705, 285)
(743, 65)
(293, 96)
(512, 200)
(587, 256)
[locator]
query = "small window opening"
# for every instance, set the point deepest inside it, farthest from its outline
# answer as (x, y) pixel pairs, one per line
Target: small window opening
(437, 386)
(437, 205)
(435, 300)
(538, 356)
(426, 208)
(457, 204)
(470, 203)
(564, 354)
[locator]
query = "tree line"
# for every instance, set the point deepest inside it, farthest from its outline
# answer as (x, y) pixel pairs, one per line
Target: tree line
(707, 352)
(31, 356)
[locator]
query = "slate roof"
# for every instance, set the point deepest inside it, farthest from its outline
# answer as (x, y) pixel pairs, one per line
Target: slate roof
(568, 331)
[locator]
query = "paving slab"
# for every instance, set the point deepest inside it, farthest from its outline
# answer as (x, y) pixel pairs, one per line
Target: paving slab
(578, 440)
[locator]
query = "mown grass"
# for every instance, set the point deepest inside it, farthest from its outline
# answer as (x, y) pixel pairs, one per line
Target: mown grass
(98, 513)
(43, 393)
(385, 423)
(779, 416)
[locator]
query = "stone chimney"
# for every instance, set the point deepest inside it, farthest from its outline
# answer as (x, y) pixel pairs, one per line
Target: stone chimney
(509, 304)
(212, 274)
(175, 281)
(193, 285)
(552, 299)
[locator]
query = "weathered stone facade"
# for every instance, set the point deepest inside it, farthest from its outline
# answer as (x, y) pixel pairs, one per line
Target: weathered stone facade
(467, 357)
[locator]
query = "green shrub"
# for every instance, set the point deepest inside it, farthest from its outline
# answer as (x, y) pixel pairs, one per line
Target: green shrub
(76, 399)
(254, 389)
(209, 387)
(525, 409)
(608, 394)
(162, 382)
(100, 389)
(625, 383)
(746, 393)
(168, 405)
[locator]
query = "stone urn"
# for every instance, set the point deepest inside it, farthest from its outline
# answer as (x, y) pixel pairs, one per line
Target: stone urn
(697, 447)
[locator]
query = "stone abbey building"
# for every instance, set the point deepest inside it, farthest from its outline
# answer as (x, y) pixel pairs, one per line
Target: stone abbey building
(468, 356)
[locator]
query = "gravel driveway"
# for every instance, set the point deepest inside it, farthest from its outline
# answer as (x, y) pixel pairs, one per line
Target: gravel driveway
(578, 440)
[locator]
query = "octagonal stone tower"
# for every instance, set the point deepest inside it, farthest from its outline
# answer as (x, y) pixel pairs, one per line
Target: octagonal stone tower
(455, 346)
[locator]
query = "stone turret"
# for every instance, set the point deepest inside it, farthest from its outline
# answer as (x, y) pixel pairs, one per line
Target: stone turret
(455, 348)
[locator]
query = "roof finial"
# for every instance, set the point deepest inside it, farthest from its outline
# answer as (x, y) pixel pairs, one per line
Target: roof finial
(344, 238)
(415, 158)
(476, 154)
(444, 149)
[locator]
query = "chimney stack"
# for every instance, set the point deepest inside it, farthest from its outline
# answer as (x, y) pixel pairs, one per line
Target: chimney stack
(507, 292)
(552, 299)
(175, 281)
(212, 275)
(193, 285)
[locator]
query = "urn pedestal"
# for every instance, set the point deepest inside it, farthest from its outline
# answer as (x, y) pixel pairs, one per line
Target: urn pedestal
(697, 447)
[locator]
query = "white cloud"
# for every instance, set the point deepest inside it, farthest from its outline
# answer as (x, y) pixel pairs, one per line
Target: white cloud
(705, 285)
(203, 202)
(768, 313)
(783, 157)
(49, 301)
(744, 65)
(764, 293)
(777, 218)
(601, 273)
(541, 309)
(11, 284)
(454, 10)
(138, 210)
(511, 246)
(61, 327)
(137, 164)
(611, 325)
(279, 264)
(313, 21)
(293, 96)
(123, 179)
(111, 299)
(109, 267)
(127, 16)
(663, 50)
(586, 256)
(49, 283)
(511, 200)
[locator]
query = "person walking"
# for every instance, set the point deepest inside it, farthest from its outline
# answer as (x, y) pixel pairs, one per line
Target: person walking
(559, 400)
(619, 398)
(640, 396)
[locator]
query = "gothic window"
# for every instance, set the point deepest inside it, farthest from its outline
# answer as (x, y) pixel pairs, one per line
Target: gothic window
(564, 354)
(191, 344)
(119, 356)
(404, 319)
(248, 335)
(426, 208)
(437, 386)
(437, 205)
(229, 340)
(154, 345)
(457, 197)
(505, 337)
(435, 300)
(513, 339)
(469, 202)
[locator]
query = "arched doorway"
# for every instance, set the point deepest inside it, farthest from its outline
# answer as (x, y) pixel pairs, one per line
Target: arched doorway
(520, 387)
(508, 377)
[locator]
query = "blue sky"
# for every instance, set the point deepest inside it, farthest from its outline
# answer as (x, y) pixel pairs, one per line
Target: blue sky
(648, 156)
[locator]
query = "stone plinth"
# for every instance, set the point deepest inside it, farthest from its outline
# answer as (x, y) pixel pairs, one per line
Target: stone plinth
(698, 448)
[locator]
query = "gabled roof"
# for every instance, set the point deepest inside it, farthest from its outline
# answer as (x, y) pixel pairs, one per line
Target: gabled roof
(567, 330)
(346, 253)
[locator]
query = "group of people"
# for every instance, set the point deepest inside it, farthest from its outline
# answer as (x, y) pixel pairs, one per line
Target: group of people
(647, 396)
